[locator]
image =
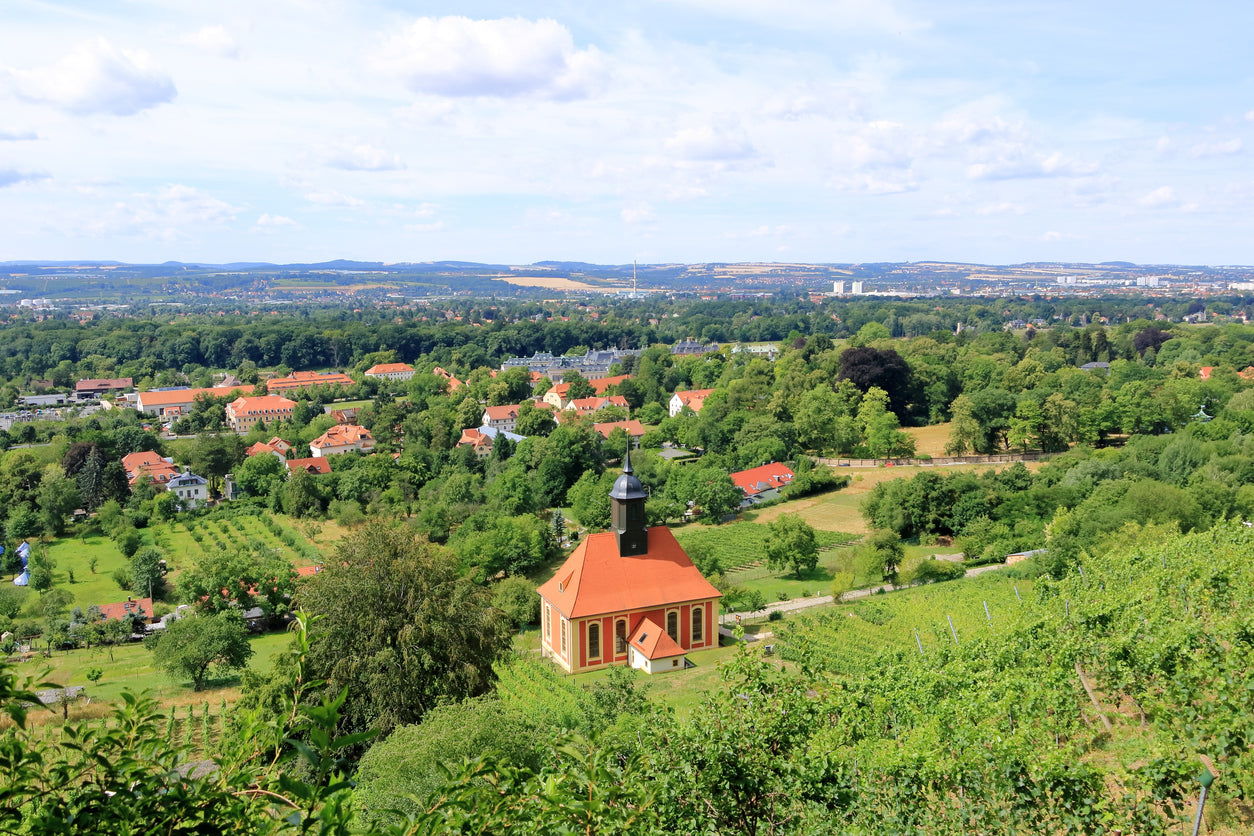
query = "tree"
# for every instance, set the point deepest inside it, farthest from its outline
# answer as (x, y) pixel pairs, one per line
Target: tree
(533, 420)
(589, 500)
(579, 386)
(400, 627)
(885, 552)
(791, 545)
(259, 475)
(516, 597)
(189, 647)
(241, 579)
(148, 572)
(885, 369)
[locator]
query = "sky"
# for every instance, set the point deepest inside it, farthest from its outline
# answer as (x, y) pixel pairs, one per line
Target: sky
(653, 130)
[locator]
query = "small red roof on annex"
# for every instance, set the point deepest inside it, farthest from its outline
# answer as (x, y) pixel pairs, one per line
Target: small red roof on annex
(595, 579)
(654, 642)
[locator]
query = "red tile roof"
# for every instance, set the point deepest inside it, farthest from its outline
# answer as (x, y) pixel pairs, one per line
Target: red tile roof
(585, 405)
(343, 435)
(633, 428)
(389, 368)
(300, 380)
(127, 607)
(694, 399)
(757, 479)
(599, 384)
(596, 579)
(654, 642)
(314, 464)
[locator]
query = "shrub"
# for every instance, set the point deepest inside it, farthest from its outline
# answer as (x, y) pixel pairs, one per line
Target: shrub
(932, 570)
(783, 596)
(775, 615)
(124, 578)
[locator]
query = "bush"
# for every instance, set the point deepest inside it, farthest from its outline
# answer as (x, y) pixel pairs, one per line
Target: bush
(932, 570)
(124, 578)
(775, 615)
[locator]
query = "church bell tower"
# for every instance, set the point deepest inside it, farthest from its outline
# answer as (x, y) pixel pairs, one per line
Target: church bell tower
(627, 512)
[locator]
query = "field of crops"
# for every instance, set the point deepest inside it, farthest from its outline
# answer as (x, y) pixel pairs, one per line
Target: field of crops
(848, 639)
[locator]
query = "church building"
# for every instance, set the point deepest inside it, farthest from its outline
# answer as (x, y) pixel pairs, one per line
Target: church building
(628, 596)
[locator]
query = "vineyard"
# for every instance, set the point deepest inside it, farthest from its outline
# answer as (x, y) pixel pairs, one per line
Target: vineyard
(849, 639)
(1083, 705)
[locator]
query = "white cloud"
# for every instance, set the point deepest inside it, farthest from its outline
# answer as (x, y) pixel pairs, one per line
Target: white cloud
(638, 213)
(11, 177)
(351, 156)
(1053, 236)
(1249, 116)
(1019, 163)
(171, 213)
(18, 136)
(1004, 208)
(214, 40)
(504, 57)
(707, 143)
(841, 16)
(330, 197)
(438, 226)
(1162, 196)
(1216, 149)
(876, 145)
(1165, 145)
(97, 77)
(879, 183)
(274, 223)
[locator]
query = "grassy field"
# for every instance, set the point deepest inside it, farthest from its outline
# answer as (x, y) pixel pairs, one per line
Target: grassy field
(129, 668)
(930, 440)
(840, 511)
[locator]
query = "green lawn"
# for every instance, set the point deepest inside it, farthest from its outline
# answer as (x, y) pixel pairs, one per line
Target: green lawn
(129, 667)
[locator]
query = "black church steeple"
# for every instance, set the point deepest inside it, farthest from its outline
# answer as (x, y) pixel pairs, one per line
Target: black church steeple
(627, 512)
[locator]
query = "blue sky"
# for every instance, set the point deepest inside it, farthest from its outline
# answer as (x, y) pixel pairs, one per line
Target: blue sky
(658, 130)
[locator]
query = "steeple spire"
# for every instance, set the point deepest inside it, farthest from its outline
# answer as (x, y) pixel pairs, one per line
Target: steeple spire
(627, 511)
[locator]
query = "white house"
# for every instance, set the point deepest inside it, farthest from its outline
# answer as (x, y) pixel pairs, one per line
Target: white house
(391, 371)
(343, 438)
(693, 399)
(191, 490)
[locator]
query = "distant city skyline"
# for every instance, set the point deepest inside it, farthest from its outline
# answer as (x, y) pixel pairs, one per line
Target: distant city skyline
(665, 131)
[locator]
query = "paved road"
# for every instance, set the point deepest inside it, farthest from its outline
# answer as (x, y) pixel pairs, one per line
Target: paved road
(795, 604)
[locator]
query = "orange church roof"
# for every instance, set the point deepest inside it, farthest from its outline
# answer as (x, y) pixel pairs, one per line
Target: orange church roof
(654, 642)
(596, 579)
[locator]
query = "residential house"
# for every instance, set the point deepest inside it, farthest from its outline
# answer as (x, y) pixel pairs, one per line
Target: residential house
(307, 380)
(483, 438)
(159, 470)
(762, 483)
(633, 428)
(453, 383)
(587, 406)
(391, 371)
(242, 414)
(275, 447)
(693, 399)
(506, 417)
(132, 608)
(316, 465)
(558, 394)
(191, 490)
(342, 438)
(621, 591)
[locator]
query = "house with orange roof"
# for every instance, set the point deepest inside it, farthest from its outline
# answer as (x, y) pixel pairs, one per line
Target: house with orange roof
(313, 466)
(587, 406)
(130, 608)
(505, 417)
(242, 414)
(453, 383)
(391, 371)
(628, 596)
(557, 395)
(692, 399)
(307, 380)
(762, 483)
(633, 428)
(275, 447)
(342, 438)
(158, 469)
